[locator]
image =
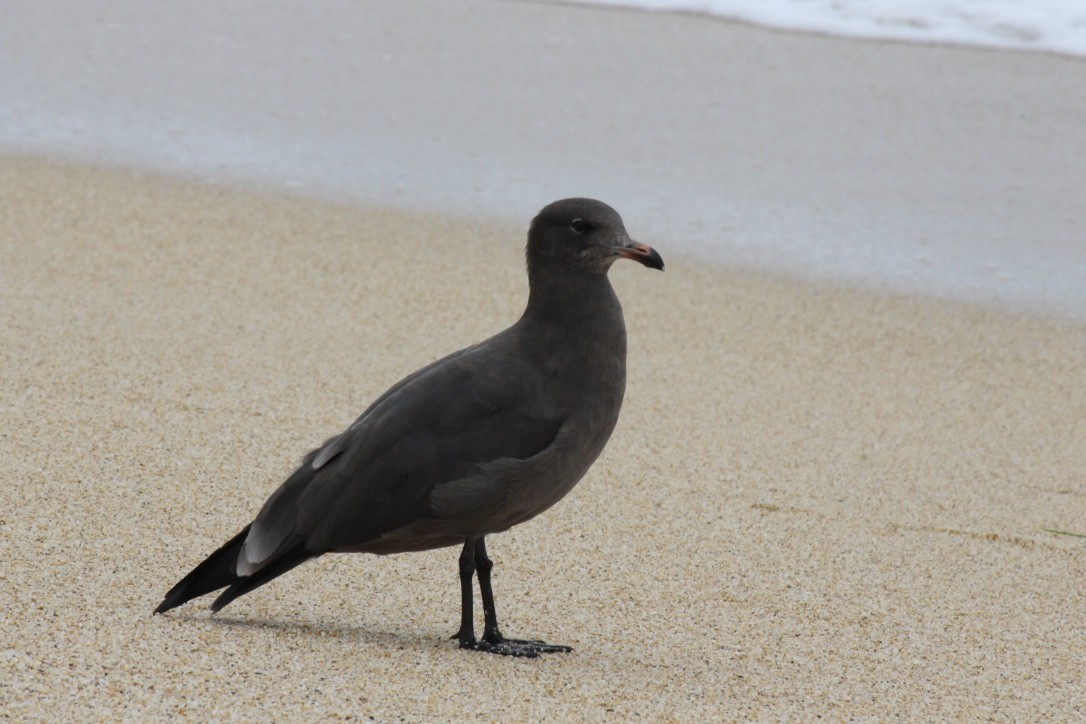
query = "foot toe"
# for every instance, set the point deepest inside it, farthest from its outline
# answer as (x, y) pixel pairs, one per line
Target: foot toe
(521, 648)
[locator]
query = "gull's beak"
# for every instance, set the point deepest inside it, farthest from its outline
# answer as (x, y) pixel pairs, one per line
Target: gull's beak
(642, 253)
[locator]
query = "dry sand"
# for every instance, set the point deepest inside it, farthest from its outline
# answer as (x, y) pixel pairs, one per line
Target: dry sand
(818, 501)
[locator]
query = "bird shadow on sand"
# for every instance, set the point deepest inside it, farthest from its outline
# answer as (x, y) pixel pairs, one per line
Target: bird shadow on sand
(311, 630)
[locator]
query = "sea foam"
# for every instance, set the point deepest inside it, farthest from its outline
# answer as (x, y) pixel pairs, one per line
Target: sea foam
(1040, 25)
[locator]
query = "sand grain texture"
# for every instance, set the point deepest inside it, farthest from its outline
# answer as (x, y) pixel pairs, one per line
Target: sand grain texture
(818, 501)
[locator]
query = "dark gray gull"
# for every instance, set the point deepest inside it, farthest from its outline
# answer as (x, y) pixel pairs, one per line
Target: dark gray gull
(472, 444)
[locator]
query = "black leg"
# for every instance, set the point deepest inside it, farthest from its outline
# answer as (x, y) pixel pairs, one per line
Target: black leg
(466, 634)
(492, 642)
(483, 565)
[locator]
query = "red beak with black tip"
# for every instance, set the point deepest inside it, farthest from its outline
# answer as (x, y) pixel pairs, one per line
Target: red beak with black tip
(642, 253)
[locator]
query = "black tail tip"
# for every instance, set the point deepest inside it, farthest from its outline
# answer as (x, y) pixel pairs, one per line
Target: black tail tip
(168, 603)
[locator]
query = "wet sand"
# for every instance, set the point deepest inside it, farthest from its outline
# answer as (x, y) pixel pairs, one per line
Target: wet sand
(946, 171)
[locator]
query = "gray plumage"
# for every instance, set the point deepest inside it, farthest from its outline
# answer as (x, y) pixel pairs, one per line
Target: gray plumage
(472, 444)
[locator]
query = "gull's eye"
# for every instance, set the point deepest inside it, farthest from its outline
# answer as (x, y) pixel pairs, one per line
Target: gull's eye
(579, 225)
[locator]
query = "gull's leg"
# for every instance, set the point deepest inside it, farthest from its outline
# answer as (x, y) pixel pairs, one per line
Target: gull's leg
(466, 634)
(493, 641)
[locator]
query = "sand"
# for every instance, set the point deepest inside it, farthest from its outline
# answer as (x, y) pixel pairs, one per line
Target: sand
(818, 501)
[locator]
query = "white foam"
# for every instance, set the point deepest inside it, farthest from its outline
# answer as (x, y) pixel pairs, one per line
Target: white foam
(1040, 25)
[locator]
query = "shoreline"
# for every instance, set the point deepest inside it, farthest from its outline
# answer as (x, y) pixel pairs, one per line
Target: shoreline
(947, 171)
(1060, 316)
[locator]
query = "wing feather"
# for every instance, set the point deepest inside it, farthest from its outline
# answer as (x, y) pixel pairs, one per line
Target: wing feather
(433, 427)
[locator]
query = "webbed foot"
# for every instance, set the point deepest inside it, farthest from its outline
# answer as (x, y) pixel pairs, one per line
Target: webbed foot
(521, 648)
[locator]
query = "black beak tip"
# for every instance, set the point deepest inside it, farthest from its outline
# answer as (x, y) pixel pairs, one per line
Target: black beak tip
(644, 254)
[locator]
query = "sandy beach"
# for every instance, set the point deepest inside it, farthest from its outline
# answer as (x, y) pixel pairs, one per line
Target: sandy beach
(849, 479)
(818, 501)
